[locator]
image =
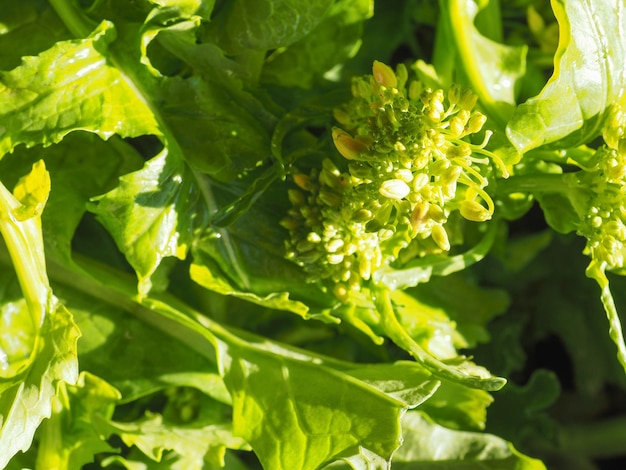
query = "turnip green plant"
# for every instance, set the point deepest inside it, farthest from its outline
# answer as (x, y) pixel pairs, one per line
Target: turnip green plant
(290, 234)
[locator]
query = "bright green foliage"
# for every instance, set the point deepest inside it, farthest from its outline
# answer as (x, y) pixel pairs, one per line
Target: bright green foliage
(233, 237)
(38, 347)
(574, 102)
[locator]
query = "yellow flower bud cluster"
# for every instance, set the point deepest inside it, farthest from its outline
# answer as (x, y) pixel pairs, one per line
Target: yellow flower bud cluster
(407, 165)
(604, 205)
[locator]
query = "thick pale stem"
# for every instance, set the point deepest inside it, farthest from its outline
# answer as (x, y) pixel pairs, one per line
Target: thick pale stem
(24, 242)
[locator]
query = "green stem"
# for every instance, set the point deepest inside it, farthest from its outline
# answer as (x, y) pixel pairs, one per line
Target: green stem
(596, 271)
(602, 439)
(534, 184)
(77, 24)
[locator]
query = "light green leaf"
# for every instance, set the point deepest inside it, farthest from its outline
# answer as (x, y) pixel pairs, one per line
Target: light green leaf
(27, 399)
(457, 369)
(468, 306)
(193, 444)
(492, 68)
(458, 407)
(430, 446)
(69, 439)
(42, 354)
(75, 179)
(311, 404)
(112, 337)
(416, 384)
(298, 410)
(67, 88)
(589, 75)
(153, 213)
(297, 414)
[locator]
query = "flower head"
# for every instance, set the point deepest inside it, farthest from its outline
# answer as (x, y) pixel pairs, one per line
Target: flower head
(407, 165)
(603, 220)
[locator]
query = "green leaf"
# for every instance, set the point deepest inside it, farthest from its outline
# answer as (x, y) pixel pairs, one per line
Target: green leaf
(75, 179)
(334, 40)
(588, 78)
(250, 264)
(154, 213)
(468, 306)
(305, 409)
(268, 24)
(458, 407)
(298, 414)
(493, 70)
(27, 399)
(298, 410)
(458, 369)
(531, 421)
(416, 386)
(27, 28)
(42, 355)
(45, 109)
(193, 444)
(69, 438)
(220, 130)
(430, 446)
(112, 337)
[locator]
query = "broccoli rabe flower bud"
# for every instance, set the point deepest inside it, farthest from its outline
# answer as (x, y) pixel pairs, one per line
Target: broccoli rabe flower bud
(408, 164)
(603, 221)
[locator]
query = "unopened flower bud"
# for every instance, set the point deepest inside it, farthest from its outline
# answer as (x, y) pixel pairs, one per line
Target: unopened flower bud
(384, 75)
(457, 126)
(334, 245)
(303, 181)
(296, 197)
(328, 197)
(394, 189)
(420, 181)
(468, 100)
(476, 122)
(362, 215)
(419, 215)
(347, 146)
(289, 223)
(402, 75)
(438, 167)
(365, 268)
(440, 237)
(361, 88)
(404, 174)
(450, 175)
(474, 211)
(313, 237)
(335, 258)
(415, 89)
(454, 94)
